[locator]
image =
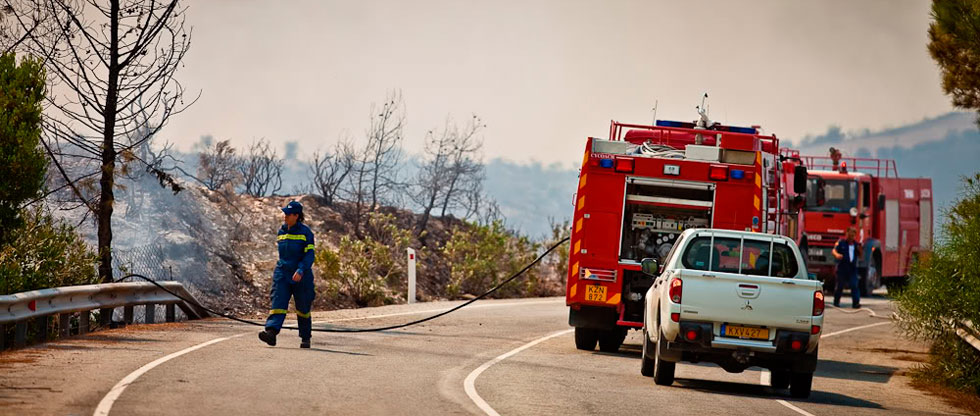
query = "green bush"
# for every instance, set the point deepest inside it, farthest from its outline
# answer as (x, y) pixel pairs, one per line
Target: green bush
(365, 269)
(44, 254)
(481, 256)
(945, 288)
(21, 99)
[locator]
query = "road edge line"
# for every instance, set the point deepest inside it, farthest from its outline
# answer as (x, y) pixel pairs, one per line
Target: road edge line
(844, 331)
(105, 405)
(469, 384)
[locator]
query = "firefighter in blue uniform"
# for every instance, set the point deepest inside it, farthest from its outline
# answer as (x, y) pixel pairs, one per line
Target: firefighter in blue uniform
(847, 252)
(293, 276)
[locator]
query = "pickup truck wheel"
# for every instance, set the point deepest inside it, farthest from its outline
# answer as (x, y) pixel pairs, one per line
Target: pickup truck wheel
(799, 386)
(585, 338)
(646, 362)
(663, 371)
(610, 340)
(779, 379)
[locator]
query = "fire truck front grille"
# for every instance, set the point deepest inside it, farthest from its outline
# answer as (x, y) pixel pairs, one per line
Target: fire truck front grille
(597, 274)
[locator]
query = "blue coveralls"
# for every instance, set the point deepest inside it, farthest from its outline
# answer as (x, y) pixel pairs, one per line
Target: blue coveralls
(295, 253)
(847, 272)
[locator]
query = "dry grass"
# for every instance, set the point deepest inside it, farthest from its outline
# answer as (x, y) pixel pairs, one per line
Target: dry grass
(956, 398)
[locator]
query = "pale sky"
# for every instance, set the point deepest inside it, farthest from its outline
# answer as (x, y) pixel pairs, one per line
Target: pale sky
(544, 75)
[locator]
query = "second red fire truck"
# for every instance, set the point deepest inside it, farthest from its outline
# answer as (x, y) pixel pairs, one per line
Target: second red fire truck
(892, 215)
(644, 185)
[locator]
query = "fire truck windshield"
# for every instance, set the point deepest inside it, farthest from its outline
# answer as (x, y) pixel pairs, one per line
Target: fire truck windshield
(840, 195)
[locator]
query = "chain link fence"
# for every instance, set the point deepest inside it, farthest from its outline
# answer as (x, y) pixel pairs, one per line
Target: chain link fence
(149, 260)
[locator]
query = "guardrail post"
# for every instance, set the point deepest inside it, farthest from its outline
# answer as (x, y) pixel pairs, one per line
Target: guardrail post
(151, 311)
(42, 328)
(171, 312)
(128, 314)
(64, 325)
(411, 276)
(20, 334)
(83, 322)
(105, 317)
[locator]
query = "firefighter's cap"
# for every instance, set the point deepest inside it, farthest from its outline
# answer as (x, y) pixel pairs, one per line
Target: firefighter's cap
(293, 207)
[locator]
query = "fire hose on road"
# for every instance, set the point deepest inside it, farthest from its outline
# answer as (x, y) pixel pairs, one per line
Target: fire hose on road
(352, 330)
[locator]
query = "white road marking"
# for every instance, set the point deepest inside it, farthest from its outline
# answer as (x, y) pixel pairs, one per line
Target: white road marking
(106, 404)
(765, 377)
(469, 385)
(853, 329)
(794, 408)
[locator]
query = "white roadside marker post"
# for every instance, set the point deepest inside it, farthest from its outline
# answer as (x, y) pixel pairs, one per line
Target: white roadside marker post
(411, 276)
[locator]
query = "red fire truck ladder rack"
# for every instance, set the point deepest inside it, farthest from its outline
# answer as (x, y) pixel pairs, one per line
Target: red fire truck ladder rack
(882, 168)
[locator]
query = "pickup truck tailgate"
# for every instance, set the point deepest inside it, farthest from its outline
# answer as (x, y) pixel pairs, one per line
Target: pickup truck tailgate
(773, 302)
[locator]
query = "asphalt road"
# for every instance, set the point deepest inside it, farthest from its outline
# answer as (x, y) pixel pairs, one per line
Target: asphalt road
(512, 357)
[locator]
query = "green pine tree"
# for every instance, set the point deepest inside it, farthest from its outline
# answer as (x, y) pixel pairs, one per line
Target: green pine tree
(954, 42)
(22, 162)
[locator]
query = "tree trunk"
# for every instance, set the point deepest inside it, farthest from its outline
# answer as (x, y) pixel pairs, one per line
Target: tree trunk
(426, 214)
(107, 181)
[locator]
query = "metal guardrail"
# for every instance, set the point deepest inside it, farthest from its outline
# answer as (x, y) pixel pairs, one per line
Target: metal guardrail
(969, 333)
(38, 305)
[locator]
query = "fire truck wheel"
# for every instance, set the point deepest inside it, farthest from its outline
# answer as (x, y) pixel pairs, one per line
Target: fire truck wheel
(646, 362)
(586, 338)
(829, 282)
(663, 371)
(611, 339)
(779, 379)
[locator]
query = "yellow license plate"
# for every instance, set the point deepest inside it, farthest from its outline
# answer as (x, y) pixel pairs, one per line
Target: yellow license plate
(595, 293)
(744, 332)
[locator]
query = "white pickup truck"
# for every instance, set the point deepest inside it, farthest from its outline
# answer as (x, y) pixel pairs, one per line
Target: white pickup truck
(737, 299)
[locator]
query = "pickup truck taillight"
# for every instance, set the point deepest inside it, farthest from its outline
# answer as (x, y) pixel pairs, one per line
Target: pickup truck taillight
(817, 303)
(675, 290)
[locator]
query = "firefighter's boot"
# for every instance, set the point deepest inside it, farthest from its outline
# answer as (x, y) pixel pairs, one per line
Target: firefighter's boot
(268, 337)
(305, 343)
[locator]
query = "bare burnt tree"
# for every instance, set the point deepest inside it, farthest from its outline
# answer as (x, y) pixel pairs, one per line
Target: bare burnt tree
(145, 161)
(329, 171)
(102, 57)
(374, 176)
(261, 170)
(382, 154)
(217, 166)
(448, 161)
(465, 169)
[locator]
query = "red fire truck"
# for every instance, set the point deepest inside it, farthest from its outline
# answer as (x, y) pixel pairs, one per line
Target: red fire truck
(644, 185)
(892, 215)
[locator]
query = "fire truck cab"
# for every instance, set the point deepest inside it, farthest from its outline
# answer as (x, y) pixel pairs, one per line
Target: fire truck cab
(644, 185)
(892, 216)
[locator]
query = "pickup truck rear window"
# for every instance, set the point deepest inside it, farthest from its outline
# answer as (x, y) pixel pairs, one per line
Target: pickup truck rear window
(744, 256)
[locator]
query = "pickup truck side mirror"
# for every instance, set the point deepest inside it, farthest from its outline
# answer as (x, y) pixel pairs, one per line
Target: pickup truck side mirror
(649, 266)
(799, 179)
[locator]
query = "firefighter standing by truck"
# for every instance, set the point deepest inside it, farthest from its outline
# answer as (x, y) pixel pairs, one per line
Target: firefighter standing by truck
(847, 252)
(293, 276)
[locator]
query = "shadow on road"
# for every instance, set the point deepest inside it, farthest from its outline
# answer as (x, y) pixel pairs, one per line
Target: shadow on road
(844, 370)
(742, 389)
